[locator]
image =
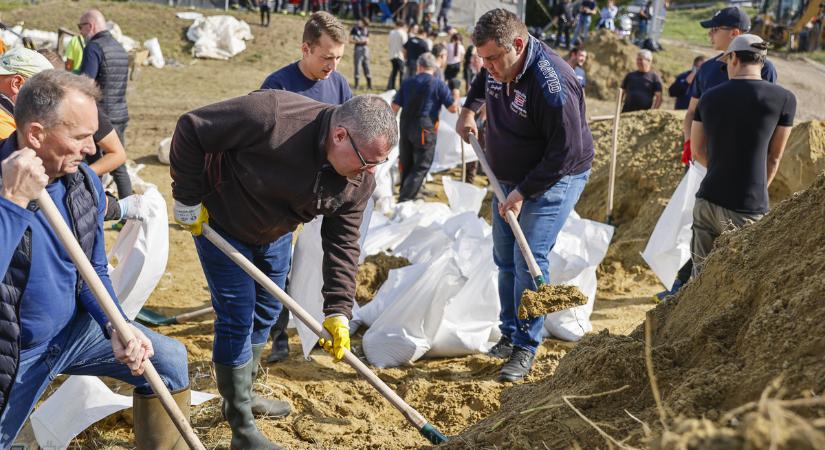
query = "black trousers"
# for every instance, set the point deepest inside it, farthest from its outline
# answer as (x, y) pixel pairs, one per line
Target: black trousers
(416, 149)
(397, 69)
(120, 175)
(265, 13)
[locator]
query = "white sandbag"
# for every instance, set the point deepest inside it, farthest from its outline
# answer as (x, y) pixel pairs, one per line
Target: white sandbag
(306, 276)
(580, 248)
(218, 37)
(463, 196)
(398, 281)
(448, 143)
(155, 54)
(408, 215)
(188, 15)
(141, 252)
(128, 43)
(402, 334)
(668, 248)
(78, 403)
(385, 178)
(164, 148)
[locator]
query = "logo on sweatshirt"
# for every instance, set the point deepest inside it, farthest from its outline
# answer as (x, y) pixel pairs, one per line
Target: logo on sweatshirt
(519, 103)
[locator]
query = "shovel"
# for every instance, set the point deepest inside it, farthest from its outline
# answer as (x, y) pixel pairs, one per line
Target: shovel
(106, 303)
(147, 316)
(414, 417)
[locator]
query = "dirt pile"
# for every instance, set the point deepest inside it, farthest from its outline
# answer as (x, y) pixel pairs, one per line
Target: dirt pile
(753, 318)
(373, 273)
(647, 172)
(548, 299)
(609, 59)
(803, 160)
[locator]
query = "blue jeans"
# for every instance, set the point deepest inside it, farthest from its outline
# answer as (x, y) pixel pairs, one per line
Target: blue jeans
(541, 219)
(81, 349)
(582, 28)
(245, 311)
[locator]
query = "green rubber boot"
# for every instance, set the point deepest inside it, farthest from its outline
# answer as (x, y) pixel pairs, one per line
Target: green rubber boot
(264, 407)
(235, 386)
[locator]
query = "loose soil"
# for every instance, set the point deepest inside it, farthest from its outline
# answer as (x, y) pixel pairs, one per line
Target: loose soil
(373, 273)
(548, 299)
(752, 319)
(333, 407)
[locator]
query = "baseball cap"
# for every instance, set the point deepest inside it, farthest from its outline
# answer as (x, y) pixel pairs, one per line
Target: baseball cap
(731, 16)
(745, 43)
(24, 62)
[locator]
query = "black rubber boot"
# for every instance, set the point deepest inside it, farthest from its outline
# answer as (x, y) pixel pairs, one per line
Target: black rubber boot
(235, 386)
(264, 407)
(518, 366)
(356, 84)
(369, 83)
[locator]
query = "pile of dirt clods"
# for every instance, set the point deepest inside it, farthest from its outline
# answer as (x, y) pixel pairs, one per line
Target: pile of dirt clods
(737, 356)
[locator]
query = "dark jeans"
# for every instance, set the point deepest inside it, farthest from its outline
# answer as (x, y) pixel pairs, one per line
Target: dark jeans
(120, 175)
(265, 14)
(416, 150)
(397, 69)
(442, 16)
(563, 29)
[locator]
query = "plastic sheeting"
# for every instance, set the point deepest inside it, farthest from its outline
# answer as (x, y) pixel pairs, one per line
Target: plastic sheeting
(218, 37)
(141, 253)
(668, 248)
(306, 277)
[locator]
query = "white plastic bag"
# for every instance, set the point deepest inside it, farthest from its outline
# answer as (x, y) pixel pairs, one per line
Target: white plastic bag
(155, 54)
(668, 248)
(218, 37)
(163, 150)
(463, 196)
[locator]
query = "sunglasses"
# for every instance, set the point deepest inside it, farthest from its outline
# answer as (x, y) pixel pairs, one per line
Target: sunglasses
(81, 25)
(364, 163)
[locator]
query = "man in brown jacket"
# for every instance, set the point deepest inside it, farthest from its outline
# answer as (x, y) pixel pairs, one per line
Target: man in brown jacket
(262, 164)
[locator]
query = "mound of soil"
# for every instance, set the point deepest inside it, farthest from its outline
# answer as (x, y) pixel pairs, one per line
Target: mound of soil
(753, 318)
(648, 169)
(803, 160)
(373, 273)
(548, 299)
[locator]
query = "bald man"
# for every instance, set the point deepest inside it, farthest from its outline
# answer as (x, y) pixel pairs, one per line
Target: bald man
(105, 61)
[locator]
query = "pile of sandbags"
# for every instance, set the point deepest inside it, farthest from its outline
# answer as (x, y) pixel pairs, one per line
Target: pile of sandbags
(218, 37)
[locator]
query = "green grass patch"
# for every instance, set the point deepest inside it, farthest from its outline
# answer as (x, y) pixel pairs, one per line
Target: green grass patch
(683, 24)
(818, 56)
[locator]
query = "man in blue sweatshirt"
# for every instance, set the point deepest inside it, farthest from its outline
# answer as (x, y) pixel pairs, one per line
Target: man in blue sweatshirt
(540, 148)
(50, 323)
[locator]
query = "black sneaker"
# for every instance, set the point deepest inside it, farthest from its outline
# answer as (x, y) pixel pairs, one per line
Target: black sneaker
(518, 366)
(502, 349)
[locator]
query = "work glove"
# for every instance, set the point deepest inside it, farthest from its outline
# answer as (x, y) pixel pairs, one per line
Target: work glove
(686, 155)
(338, 327)
(191, 217)
(130, 208)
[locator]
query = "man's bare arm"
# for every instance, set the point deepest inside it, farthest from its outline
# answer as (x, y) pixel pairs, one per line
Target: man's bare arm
(689, 117)
(775, 150)
(697, 143)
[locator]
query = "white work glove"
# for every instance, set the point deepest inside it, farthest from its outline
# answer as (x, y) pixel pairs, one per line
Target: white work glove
(191, 217)
(130, 208)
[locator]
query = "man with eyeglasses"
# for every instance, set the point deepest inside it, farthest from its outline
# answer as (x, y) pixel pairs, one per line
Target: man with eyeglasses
(261, 164)
(723, 28)
(419, 99)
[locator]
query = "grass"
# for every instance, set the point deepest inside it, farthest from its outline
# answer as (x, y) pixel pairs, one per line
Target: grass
(818, 56)
(683, 24)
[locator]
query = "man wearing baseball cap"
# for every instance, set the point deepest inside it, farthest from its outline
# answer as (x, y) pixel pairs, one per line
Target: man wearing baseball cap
(16, 66)
(739, 133)
(725, 25)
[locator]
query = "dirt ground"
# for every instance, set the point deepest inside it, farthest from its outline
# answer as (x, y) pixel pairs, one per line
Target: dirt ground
(333, 407)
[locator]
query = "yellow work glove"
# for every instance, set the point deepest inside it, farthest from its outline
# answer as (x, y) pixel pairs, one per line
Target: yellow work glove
(338, 327)
(191, 217)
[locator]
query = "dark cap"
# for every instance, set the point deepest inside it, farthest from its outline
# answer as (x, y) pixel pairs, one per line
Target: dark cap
(731, 16)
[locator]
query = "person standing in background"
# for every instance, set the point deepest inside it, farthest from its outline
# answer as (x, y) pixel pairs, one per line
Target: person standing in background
(397, 38)
(642, 89)
(360, 37)
(680, 89)
(455, 55)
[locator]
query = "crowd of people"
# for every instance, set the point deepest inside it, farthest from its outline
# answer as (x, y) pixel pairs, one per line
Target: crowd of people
(303, 146)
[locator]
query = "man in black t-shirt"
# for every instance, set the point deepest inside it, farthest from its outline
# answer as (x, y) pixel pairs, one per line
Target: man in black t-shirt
(739, 133)
(415, 46)
(642, 89)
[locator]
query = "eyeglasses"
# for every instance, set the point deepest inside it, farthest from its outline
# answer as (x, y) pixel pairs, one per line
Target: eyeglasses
(715, 29)
(364, 163)
(81, 25)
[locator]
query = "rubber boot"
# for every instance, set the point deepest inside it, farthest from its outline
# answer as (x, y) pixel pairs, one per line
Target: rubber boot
(235, 386)
(154, 428)
(369, 83)
(263, 406)
(356, 84)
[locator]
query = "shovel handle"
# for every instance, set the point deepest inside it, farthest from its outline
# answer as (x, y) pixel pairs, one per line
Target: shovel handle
(532, 265)
(185, 317)
(106, 303)
(611, 183)
(413, 416)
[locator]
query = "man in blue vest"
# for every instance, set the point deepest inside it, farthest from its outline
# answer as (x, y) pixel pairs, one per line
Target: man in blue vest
(50, 322)
(106, 62)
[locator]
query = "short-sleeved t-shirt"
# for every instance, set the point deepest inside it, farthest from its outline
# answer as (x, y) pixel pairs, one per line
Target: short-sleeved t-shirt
(581, 75)
(334, 90)
(640, 88)
(587, 4)
(739, 118)
(74, 51)
(713, 72)
(359, 33)
(415, 47)
(436, 91)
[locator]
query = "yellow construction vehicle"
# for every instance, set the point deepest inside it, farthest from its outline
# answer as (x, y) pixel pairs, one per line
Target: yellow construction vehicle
(781, 21)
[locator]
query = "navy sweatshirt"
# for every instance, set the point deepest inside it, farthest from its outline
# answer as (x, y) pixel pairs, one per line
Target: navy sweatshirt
(537, 132)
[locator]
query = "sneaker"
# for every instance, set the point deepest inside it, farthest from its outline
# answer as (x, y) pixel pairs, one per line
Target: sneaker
(518, 366)
(672, 291)
(502, 349)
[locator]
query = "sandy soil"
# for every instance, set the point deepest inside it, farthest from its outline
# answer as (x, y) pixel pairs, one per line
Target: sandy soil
(333, 408)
